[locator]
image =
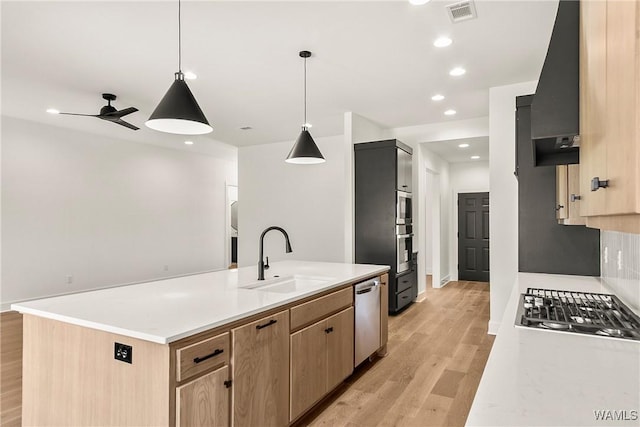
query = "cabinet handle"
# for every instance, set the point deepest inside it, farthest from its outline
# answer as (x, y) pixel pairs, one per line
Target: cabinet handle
(559, 207)
(575, 197)
(227, 384)
(596, 183)
(208, 356)
(329, 330)
(269, 323)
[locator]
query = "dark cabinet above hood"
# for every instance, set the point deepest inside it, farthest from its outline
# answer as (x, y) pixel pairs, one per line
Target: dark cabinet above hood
(555, 110)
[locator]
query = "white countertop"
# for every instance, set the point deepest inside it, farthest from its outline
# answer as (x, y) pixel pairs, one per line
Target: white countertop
(167, 310)
(542, 378)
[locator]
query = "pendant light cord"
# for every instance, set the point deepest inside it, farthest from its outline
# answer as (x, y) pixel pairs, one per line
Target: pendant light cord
(179, 38)
(305, 94)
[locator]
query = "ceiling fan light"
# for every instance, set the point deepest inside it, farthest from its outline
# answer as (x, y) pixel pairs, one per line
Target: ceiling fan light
(178, 112)
(305, 151)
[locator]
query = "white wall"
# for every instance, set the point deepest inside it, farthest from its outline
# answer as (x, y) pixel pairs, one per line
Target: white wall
(466, 177)
(104, 211)
(308, 201)
(503, 221)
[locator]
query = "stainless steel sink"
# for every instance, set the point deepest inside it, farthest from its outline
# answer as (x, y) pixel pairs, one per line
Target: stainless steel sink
(288, 284)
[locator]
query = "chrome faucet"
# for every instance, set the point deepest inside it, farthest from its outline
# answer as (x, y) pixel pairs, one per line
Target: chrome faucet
(261, 262)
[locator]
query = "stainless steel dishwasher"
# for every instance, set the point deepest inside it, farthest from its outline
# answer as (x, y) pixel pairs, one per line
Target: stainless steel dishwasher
(367, 326)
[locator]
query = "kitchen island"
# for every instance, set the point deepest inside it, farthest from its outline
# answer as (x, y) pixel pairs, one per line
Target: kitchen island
(537, 377)
(200, 349)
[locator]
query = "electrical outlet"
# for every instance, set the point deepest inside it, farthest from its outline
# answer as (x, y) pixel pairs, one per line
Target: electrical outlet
(619, 260)
(123, 352)
(606, 255)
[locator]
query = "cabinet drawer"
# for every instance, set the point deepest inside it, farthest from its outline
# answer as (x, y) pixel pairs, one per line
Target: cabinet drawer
(403, 298)
(404, 282)
(202, 356)
(309, 312)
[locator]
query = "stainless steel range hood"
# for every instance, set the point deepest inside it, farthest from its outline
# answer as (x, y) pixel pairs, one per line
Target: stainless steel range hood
(555, 110)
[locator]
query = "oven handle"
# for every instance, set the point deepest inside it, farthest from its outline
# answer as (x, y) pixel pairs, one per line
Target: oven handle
(404, 236)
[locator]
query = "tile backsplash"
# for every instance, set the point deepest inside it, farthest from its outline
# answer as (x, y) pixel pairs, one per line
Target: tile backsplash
(620, 265)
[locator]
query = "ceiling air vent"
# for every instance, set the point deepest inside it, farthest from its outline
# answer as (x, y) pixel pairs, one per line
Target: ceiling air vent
(462, 11)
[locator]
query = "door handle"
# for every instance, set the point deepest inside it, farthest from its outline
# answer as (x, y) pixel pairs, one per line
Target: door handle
(575, 197)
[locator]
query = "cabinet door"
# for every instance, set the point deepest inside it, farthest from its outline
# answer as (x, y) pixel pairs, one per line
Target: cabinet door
(260, 365)
(593, 103)
(622, 104)
(562, 200)
(403, 170)
(204, 401)
(340, 344)
(308, 367)
(384, 310)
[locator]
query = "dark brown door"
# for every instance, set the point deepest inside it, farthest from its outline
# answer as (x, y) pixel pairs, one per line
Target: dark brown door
(473, 236)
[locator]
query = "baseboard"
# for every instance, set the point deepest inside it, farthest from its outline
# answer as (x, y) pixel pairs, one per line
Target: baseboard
(445, 280)
(493, 327)
(421, 296)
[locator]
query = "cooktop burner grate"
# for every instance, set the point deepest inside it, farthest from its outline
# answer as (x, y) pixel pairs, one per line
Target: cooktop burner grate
(579, 312)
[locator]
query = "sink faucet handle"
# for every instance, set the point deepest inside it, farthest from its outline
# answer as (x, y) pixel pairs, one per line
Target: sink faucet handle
(266, 265)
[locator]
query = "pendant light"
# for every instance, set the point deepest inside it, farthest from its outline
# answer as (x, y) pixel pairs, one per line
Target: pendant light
(305, 151)
(178, 112)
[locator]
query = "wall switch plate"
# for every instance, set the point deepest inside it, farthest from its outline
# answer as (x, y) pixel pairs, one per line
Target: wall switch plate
(123, 352)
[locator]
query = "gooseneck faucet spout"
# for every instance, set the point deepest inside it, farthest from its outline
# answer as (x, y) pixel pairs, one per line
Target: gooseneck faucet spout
(261, 262)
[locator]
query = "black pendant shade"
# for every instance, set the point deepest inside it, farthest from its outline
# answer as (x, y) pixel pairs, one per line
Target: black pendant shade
(305, 151)
(178, 112)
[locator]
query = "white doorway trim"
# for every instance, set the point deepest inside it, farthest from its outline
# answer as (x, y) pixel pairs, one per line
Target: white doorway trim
(231, 195)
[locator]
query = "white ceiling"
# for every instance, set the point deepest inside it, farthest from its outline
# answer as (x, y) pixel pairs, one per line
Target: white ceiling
(375, 58)
(451, 152)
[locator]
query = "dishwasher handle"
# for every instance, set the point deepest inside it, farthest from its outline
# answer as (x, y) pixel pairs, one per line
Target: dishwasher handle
(366, 287)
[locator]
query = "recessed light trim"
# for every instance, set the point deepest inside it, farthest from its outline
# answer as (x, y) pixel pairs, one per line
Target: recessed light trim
(419, 2)
(190, 75)
(52, 111)
(437, 97)
(188, 143)
(442, 42)
(463, 145)
(457, 71)
(450, 112)
(475, 157)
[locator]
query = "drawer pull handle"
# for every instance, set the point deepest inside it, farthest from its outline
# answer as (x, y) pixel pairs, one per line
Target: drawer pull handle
(208, 356)
(269, 323)
(227, 384)
(329, 330)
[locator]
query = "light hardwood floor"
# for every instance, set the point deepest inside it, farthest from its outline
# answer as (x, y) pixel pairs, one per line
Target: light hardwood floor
(436, 354)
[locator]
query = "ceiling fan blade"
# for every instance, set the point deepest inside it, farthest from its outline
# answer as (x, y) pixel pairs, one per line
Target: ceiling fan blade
(122, 113)
(77, 114)
(125, 124)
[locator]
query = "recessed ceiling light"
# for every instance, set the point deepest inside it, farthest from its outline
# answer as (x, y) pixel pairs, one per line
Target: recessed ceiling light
(53, 111)
(437, 97)
(463, 145)
(450, 112)
(442, 42)
(458, 71)
(188, 142)
(190, 75)
(308, 125)
(419, 2)
(475, 157)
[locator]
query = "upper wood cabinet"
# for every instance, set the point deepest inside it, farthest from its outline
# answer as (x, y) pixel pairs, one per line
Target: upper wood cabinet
(568, 195)
(610, 109)
(261, 372)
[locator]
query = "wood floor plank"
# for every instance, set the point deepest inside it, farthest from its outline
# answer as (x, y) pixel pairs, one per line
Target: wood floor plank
(436, 355)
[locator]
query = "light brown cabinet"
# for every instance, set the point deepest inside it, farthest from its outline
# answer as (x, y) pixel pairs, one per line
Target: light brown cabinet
(610, 113)
(321, 358)
(568, 195)
(384, 314)
(261, 372)
(204, 401)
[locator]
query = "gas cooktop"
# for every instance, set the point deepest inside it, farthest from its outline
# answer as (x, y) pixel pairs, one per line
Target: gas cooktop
(578, 312)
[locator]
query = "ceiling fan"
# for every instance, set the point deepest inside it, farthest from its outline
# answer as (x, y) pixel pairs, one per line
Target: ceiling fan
(110, 113)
